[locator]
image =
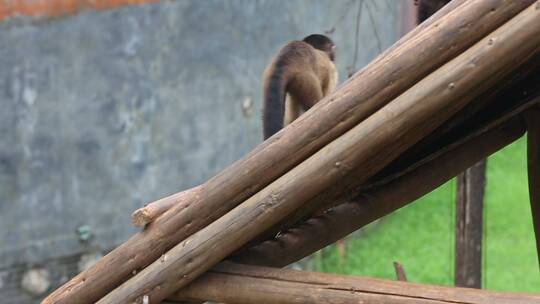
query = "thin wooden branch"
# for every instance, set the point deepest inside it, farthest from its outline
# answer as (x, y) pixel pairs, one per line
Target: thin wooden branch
(352, 158)
(391, 195)
(141, 217)
(533, 165)
(325, 229)
(437, 40)
(400, 272)
(242, 284)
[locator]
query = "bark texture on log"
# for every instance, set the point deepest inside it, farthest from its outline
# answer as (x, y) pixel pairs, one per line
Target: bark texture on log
(234, 283)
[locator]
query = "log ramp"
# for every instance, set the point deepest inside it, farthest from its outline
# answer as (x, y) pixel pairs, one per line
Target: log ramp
(451, 92)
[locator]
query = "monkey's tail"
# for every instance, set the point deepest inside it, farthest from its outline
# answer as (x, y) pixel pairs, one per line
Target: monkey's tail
(274, 101)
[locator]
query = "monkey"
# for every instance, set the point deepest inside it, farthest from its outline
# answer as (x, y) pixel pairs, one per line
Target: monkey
(426, 8)
(301, 74)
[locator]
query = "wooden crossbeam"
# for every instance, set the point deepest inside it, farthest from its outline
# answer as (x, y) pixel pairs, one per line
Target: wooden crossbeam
(242, 284)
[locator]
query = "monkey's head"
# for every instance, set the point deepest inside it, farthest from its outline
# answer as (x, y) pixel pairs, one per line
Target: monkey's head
(323, 43)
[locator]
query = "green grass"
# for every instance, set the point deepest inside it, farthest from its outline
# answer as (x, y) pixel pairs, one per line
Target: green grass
(421, 235)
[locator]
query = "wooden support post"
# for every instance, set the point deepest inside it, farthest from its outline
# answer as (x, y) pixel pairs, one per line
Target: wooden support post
(242, 284)
(373, 87)
(353, 157)
(469, 209)
(533, 165)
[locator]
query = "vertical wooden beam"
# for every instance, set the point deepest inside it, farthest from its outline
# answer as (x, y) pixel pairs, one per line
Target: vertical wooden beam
(469, 209)
(532, 118)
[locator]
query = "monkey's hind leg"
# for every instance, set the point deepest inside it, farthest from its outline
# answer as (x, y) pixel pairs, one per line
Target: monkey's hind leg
(306, 90)
(292, 110)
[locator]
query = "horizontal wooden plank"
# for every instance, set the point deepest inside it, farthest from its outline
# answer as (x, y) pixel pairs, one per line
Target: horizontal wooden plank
(235, 283)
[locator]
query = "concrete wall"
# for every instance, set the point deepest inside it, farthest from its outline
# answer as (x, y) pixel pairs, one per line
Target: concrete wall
(103, 111)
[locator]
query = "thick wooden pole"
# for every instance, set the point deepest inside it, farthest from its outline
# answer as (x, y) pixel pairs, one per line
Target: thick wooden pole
(341, 220)
(419, 53)
(242, 284)
(359, 153)
(533, 166)
(469, 210)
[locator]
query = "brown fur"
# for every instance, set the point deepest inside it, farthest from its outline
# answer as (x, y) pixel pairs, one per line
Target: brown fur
(297, 78)
(426, 8)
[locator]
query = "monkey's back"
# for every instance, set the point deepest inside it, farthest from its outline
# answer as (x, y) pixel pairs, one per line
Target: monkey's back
(299, 69)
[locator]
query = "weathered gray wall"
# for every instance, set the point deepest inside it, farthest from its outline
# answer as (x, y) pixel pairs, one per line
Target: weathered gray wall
(103, 111)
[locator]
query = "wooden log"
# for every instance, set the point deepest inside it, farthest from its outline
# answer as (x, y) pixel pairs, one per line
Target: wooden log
(396, 70)
(147, 214)
(533, 168)
(469, 211)
(325, 229)
(234, 283)
(358, 153)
